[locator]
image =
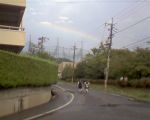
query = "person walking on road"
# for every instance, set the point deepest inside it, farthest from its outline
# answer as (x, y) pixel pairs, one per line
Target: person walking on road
(86, 86)
(79, 86)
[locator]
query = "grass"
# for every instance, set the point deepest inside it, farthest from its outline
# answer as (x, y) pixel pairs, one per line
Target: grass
(18, 71)
(137, 93)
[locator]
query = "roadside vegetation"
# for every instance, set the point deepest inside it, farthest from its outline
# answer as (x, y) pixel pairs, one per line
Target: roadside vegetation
(141, 94)
(133, 65)
(19, 71)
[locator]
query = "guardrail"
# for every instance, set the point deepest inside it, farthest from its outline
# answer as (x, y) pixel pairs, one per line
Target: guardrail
(11, 27)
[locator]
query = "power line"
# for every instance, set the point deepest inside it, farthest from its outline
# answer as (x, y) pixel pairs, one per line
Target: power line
(140, 46)
(130, 12)
(143, 46)
(100, 26)
(141, 40)
(124, 29)
(125, 9)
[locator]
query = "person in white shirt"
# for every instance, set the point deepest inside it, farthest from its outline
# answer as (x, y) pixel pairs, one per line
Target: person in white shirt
(86, 86)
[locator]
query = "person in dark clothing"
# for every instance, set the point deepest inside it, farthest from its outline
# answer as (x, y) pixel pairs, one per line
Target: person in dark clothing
(79, 85)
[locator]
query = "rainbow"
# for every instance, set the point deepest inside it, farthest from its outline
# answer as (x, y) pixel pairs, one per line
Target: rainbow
(69, 30)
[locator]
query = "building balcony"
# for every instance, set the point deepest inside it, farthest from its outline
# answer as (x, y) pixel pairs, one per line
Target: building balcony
(11, 12)
(12, 38)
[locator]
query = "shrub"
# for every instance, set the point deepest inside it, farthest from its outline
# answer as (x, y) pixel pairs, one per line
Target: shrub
(67, 73)
(143, 83)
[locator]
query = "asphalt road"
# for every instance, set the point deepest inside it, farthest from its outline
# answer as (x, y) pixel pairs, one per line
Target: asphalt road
(96, 105)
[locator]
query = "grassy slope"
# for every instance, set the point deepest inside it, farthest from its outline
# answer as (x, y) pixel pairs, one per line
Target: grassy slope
(17, 71)
(137, 93)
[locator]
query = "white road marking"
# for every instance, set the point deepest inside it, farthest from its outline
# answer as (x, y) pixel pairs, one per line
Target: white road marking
(53, 110)
(60, 87)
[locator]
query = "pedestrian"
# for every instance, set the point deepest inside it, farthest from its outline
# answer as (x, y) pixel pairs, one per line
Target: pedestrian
(86, 86)
(121, 78)
(79, 86)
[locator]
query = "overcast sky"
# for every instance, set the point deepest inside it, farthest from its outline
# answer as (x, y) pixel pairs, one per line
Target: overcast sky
(83, 20)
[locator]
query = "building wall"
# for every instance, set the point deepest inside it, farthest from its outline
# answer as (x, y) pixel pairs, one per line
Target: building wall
(62, 66)
(13, 101)
(14, 2)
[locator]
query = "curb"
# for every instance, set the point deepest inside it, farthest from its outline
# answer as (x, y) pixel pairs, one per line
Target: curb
(53, 110)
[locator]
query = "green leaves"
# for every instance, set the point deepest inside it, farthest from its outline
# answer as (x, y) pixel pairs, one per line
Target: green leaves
(67, 72)
(123, 62)
(17, 71)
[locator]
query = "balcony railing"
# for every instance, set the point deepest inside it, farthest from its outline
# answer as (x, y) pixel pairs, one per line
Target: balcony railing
(11, 28)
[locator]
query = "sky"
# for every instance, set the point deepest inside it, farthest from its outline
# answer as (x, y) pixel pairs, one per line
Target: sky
(73, 21)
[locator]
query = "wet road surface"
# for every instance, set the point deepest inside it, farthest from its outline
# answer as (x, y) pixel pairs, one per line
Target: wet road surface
(96, 105)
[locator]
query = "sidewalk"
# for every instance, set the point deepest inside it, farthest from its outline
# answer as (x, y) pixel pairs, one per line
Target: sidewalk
(60, 98)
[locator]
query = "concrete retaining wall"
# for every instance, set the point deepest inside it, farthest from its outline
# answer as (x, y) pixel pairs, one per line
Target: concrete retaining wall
(12, 101)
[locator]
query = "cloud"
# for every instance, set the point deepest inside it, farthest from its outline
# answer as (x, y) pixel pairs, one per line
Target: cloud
(63, 18)
(34, 13)
(59, 21)
(31, 9)
(46, 23)
(70, 21)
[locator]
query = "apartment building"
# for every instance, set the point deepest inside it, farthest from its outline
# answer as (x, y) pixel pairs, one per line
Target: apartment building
(12, 35)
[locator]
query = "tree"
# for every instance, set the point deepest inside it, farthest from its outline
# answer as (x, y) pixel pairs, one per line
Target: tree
(141, 66)
(80, 70)
(67, 72)
(123, 62)
(93, 66)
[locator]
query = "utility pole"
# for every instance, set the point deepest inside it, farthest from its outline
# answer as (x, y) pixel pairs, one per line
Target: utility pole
(74, 54)
(30, 45)
(57, 52)
(69, 53)
(63, 54)
(109, 51)
(81, 50)
(41, 43)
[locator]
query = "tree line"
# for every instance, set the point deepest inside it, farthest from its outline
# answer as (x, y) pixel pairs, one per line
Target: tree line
(133, 64)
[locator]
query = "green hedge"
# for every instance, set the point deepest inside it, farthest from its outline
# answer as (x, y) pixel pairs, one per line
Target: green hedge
(18, 71)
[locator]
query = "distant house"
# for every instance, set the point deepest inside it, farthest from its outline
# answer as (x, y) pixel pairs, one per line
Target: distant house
(62, 66)
(12, 35)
